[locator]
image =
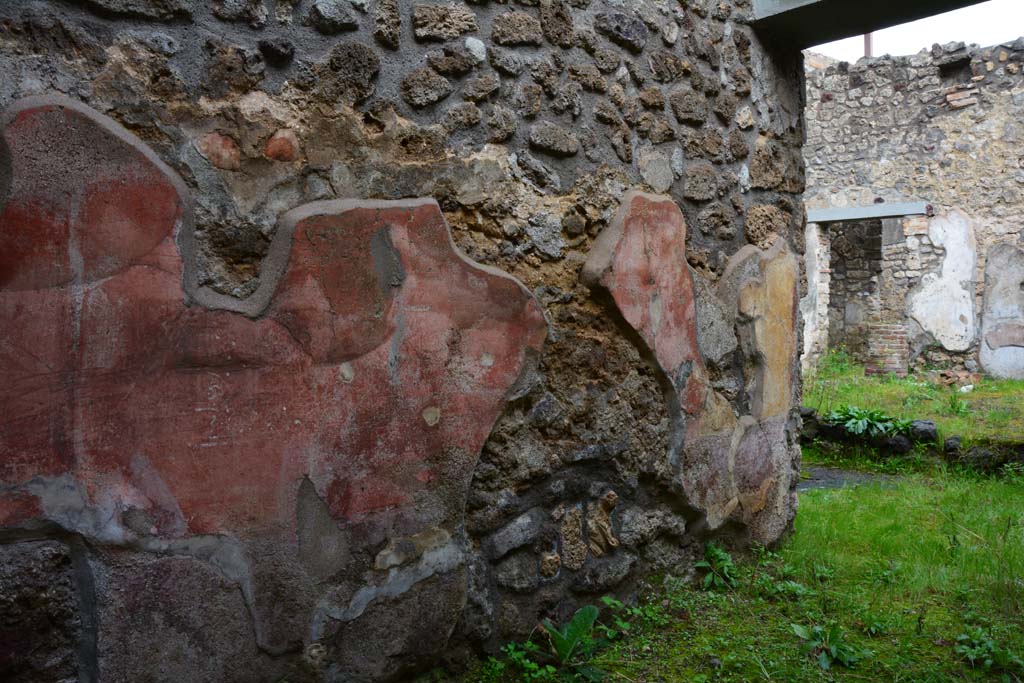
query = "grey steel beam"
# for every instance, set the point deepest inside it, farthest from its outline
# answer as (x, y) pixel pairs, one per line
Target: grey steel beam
(856, 213)
(803, 23)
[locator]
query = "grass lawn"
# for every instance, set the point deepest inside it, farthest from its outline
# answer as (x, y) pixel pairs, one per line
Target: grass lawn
(909, 581)
(992, 411)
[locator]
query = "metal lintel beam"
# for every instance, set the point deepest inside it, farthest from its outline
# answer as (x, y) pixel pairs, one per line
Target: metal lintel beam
(803, 23)
(856, 213)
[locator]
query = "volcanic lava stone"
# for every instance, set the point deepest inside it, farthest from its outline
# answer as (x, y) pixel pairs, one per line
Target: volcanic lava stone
(277, 52)
(451, 61)
(331, 16)
(924, 430)
(516, 28)
(425, 86)
(624, 28)
(442, 22)
(553, 139)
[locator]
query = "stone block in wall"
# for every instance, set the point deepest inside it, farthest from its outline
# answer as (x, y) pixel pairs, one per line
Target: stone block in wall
(160, 616)
(156, 10)
(892, 231)
(915, 225)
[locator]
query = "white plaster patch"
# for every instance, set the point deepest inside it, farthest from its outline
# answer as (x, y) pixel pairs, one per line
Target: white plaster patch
(656, 170)
(943, 303)
(398, 582)
(814, 304)
(1002, 326)
(346, 372)
(431, 415)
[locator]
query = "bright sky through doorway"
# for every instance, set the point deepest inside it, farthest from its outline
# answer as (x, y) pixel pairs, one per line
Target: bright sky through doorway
(989, 23)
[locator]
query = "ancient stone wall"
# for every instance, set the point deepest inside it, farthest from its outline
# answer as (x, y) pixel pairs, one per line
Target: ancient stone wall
(335, 340)
(861, 275)
(854, 297)
(943, 127)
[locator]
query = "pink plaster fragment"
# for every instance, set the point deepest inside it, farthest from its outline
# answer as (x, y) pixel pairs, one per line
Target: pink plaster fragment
(220, 150)
(730, 466)
(640, 259)
(1006, 334)
(283, 145)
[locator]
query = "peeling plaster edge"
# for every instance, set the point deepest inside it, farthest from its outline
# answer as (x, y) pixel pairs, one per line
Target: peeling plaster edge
(69, 516)
(399, 581)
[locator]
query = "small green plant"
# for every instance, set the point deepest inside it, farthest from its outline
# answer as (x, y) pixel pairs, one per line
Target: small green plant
(900, 426)
(650, 615)
(763, 555)
(957, 406)
(618, 626)
(823, 573)
(980, 650)
(828, 645)
(875, 628)
(1013, 471)
(492, 670)
(864, 421)
(783, 589)
(887, 572)
(719, 567)
(678, 593)
(788, 570)
(573, 644)
(524, 656)
(572, 648)
(918, 393)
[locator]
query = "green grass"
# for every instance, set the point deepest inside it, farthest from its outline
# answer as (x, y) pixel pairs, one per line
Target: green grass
(903, 569)
(991, 412)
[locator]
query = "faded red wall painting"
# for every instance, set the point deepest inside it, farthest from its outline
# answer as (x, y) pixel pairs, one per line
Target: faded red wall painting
(346, 401)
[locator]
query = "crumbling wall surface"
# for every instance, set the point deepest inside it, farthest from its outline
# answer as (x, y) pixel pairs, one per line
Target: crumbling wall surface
(333, 337)
(816, 299)
(1002, 330)
(944, 127)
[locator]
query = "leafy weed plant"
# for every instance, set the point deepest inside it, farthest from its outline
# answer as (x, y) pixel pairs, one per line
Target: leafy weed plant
(864, 421)
(957, 406)
(828, 645)
(981, 650)
(573, 644)
(720, 571)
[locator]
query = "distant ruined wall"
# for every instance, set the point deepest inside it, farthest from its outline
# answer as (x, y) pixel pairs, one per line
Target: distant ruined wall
(335, 337)
(943, 127)
(854, 297)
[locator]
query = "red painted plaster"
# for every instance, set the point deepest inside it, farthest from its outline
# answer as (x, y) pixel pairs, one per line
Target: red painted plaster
(207, 420)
